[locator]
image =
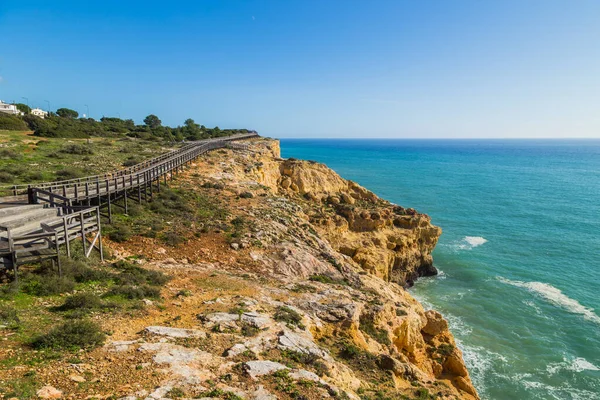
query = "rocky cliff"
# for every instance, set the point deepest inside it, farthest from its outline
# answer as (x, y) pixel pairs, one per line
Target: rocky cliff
(359, 251)
(386, 240)
(294, 290)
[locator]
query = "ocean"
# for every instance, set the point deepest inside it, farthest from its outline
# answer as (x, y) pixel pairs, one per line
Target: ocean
(519, 257)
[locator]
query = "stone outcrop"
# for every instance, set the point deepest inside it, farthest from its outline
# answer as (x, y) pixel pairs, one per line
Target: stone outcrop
(389, 241)
(323, 225)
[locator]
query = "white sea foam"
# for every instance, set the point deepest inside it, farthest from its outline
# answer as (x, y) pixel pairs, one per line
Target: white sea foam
(475, 241)
(556, 297)
(578, 364)
(467, 243)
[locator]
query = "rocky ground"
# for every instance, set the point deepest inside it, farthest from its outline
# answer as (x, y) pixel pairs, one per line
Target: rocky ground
(304, 299)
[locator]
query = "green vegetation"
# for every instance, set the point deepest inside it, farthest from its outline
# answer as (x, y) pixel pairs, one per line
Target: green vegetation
(327, 279)
(98, 289)
(25, 158)
(65, 123)
(172, 216)
(291, 317)
(367, 325)
(72, 335)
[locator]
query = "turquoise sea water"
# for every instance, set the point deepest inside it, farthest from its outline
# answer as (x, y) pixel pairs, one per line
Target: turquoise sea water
(519, 255)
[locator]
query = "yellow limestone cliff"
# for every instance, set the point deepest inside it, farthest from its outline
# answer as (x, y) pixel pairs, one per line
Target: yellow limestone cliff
(386, 240)
(379, 247)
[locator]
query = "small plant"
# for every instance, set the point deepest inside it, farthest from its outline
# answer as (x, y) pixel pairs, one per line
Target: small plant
(172, 238)
(78, 149)
(246, 195)
(249, 330)
(80, 301)
(350, 350)
(321, 278)
(289, 316)
(302, 288)
(445, 349)
(71, 335)
(47, 285)
(175, 393)
(9, 317)
(121, 233)
(367, 325)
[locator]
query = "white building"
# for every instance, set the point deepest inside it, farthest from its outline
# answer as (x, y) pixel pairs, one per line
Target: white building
(38, 112)
(9, 108)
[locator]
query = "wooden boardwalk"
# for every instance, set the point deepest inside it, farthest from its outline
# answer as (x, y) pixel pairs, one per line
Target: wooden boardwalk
(62, 211)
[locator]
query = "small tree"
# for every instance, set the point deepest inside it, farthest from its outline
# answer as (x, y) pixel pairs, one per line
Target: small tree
(67, 113)
(24, 108)
(152, 121)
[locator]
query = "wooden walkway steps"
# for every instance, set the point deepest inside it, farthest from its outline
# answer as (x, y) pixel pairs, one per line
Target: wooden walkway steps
(36, 219)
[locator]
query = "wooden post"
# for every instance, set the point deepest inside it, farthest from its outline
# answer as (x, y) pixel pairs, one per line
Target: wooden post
(109, 210)
(125, 197)
(83, 230)
(65, 227)
(158, 179)
(87, 193)
(139, 188)
(99, 234)
(57, 254)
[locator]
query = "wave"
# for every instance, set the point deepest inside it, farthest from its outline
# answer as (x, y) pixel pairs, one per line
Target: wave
(578, 364)
(467, 243)
(555, 296)
(475, 241)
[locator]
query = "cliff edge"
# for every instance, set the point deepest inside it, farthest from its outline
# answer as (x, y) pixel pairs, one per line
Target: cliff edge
(273, 279)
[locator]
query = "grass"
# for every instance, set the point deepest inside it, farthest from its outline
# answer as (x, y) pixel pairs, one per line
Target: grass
(25, 158)
(169, 217)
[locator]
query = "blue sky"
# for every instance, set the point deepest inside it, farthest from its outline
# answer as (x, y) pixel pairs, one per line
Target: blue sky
(417, 69)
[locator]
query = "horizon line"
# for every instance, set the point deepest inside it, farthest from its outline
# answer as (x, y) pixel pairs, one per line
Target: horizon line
(438, 138)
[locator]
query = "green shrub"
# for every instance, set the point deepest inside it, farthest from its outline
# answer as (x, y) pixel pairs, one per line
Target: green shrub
(78, 149)
(350, 350)
(81, 301)
(121, 234)
(71, 335)
(249, 330)
(6, 177)
(172, 238)
(289, 316)
(136, 275)
(81, 272)
(67, 174)
(367, 325)
(130, 162)
(9, 154)
(47, 285)
(9, 316)
(327, 279)
(175, 393)
(12, 123)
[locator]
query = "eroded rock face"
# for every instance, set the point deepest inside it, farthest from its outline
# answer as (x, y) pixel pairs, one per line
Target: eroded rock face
(386, 240)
